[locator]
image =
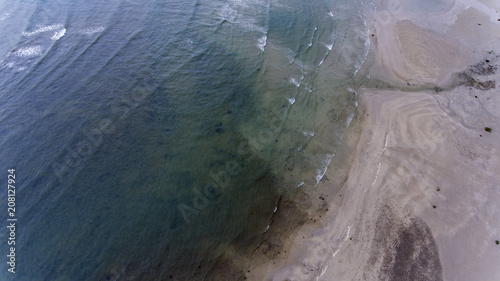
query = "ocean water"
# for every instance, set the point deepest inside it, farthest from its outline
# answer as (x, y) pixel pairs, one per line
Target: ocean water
(150, 138)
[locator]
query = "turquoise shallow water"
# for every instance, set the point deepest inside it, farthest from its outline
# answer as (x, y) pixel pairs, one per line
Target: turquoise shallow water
(150, 137)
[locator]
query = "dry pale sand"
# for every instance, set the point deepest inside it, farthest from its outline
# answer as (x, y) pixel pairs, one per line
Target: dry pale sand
(422, 197)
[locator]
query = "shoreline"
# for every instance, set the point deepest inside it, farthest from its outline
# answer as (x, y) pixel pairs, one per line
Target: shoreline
(419, 196)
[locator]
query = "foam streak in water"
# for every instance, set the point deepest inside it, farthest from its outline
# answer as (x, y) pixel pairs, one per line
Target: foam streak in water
(295, 81)
(321, 172)
(92, 30)
(44, 29)
(262, 42)
(28, 51)
(58, 34)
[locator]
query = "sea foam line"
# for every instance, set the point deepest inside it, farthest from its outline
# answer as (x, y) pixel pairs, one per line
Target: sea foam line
(295, 81)
(329, 46)
(321, 172)
(58, 34)
(29, 51)
(262, 42)
(43, 29)
(92, 30)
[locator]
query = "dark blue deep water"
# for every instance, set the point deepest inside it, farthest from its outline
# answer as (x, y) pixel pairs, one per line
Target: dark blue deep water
(149, 137)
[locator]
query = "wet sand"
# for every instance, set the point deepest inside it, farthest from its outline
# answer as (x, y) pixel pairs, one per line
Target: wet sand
(420, 200)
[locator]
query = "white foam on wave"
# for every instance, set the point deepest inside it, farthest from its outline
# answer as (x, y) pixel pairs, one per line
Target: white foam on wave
(43, 29)
(342, 242)
(329, 46)
(351, 116)
(91, 30)
(308, 133)
(230, 14)
(364, 36)
(321, 62)
(251, 25)
(324, 166)
(295, 81)
(5, 16)
(58, 34)
(28, 51)
(262, 42)
(291, 56)
(312, 37)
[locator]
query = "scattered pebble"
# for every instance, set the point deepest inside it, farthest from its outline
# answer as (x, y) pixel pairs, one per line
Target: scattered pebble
(438, 189)
(497, 242)
(488, 129)
(434, 206)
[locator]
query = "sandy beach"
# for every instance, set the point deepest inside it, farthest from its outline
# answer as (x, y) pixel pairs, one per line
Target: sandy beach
(420, 200)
